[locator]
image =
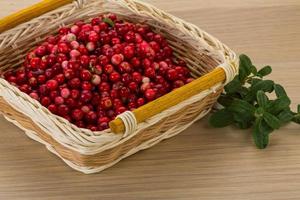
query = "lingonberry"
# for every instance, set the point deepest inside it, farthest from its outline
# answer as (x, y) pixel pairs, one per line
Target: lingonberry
(115, 77)
(52, 85)
(77, 114)
(137, 77)
(34, 95)
(86, 85)
(117, 59)
(52, 108)
(108, 69)
(74, 83)
(65, 93)
(60, 78)
(63, 110)
(86, 96)
(106, 103)
(172, 74)
(91, 117)
(75, 94)
(63, 48)
(34, 63)
(150, 94)
(33, 82)
(140, 101)
(90, 46)
(85, 75)
(59, 100)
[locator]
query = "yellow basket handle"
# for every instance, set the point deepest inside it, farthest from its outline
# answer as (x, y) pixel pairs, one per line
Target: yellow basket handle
(31, 12)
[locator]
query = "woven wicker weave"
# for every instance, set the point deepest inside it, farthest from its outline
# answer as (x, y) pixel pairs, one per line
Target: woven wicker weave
(88, 151)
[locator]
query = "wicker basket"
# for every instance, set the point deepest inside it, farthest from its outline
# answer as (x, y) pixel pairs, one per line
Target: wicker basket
(88, 151)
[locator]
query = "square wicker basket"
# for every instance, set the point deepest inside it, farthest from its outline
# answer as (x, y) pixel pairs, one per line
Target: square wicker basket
(88, 151)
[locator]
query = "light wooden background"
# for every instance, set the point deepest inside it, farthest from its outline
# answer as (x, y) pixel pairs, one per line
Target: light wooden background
(200, 163)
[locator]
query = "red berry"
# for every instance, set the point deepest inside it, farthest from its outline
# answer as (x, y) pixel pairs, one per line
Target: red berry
(104, 87)
(150, 72)
(60, 78)
(59, 100)
(41, 51)
(128, 52)
(133, 86)
(91, 117)
(103, 60)
(106, 103)
(33, 82)
(63, 110)
(86, 85)
(74, 83)
(117, 59)
(85, 75)
(45, 101)
(35, 63)
(114, 94)
(86, 96)
(108, 69)
(135, 62)
(34, 95)
(77, 114)
(52, 108)
(140, 101)
(120, 110)
(63, 48)
(115, 77)
(125, 67)
(150, 94)
(137, 77)
(52, 84)
(75, 94)
(124, 92)
(93, 36)
(172, 74)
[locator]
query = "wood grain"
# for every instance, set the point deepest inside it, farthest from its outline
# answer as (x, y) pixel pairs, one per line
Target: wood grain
(200, 163)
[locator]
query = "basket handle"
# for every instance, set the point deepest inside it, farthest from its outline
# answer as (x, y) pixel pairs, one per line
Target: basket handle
(141, 114)
(31, 12)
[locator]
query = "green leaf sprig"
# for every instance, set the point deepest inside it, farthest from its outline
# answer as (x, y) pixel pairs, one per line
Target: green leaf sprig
(246, 103)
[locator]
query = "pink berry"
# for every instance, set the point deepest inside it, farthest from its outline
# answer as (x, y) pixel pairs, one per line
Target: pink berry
(65, 93)
(96, 79)
(117, 59)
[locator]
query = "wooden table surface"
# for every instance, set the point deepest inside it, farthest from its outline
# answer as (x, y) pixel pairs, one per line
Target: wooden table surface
(201, 162)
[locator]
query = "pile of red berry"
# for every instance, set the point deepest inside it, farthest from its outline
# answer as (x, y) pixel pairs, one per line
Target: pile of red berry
(91, 72)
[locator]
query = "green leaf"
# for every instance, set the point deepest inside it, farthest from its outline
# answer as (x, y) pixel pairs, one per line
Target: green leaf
(225, 100)
(243, 121)
(262, 99)
(233, 86)
(261, 139)
(254, 81)
(264, 85)
(298, 110)
(253, 70)
(271, 120)
(221, 118)
(264, 71)
(245, 67)
(285, 116)
(108, 21)
(240, 106)
(296, 119)
(279, 105)
(279, 91)
(243, 91)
